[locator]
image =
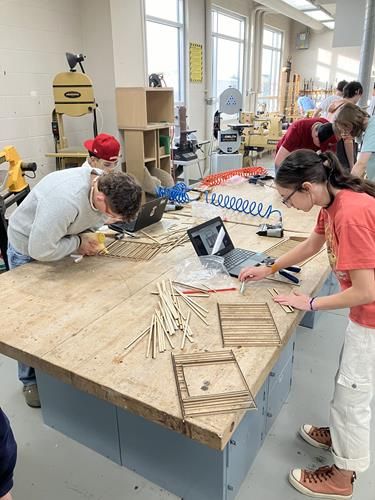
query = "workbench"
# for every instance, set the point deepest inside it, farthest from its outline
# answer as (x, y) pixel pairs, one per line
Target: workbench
(70, 321)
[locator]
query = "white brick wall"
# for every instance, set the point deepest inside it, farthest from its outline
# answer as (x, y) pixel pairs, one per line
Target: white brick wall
(34, 36)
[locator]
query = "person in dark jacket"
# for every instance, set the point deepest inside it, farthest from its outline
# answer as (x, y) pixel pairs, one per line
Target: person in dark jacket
(8, 457)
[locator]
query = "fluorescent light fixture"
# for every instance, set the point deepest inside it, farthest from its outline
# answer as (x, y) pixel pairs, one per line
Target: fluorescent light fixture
(330, 25)
(299, 4)
(318, 15)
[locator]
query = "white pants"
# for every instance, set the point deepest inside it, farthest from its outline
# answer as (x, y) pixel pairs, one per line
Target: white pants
(350, 415)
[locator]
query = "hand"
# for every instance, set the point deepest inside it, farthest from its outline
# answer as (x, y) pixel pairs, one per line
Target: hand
(89, 244)
(295, 299)
(254, 273)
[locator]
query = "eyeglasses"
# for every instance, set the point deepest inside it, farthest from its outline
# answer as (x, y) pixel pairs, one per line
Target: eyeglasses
(286, 200)
(105, 163)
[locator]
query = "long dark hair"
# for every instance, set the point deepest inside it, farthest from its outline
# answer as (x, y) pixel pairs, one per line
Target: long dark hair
(304, 165)
(351, 117)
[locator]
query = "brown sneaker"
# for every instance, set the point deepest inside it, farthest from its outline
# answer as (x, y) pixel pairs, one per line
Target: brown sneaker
(320, 437)
(31, 395)
(326, 482)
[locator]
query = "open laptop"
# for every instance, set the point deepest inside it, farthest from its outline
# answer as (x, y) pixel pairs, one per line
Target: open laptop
(211, 238)
(150, 212)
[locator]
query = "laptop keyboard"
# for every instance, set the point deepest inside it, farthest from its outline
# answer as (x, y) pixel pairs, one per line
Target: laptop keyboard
(236, 256)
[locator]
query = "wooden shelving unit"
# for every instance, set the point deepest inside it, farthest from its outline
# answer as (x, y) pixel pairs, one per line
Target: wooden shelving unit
(144, 115)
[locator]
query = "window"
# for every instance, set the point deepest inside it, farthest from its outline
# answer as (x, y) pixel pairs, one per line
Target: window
(228, 33)
(165, 42)
(271, 61)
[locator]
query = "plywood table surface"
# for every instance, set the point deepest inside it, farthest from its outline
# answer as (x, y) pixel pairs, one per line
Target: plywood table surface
(73, 320)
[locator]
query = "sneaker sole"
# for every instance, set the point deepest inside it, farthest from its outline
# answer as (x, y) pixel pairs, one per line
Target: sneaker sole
(298, 486)
(312, 441)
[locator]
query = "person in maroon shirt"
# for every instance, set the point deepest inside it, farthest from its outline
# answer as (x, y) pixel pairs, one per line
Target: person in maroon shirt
(317, 134)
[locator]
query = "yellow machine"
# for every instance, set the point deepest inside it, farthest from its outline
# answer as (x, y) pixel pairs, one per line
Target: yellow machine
(15, 178)
(12, 190)
(264, 132)
(73, 94)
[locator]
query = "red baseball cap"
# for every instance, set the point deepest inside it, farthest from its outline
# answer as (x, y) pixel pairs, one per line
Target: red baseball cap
(104, 146)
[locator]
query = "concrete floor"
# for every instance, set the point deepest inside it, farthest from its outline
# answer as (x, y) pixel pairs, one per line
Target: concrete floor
(53, 467)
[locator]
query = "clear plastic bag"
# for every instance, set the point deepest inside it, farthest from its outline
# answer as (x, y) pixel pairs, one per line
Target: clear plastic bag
(206, 270)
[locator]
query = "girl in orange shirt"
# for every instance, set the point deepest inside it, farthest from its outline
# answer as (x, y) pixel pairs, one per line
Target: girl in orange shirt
(346, 223)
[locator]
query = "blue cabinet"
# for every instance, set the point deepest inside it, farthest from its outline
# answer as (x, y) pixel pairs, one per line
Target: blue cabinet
(185, 467)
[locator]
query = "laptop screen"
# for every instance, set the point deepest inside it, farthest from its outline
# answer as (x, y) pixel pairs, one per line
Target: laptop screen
(211, 238)
(150, 212)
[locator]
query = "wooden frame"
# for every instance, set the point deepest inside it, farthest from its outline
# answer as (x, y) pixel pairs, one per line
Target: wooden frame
(225, 402)
(274, 293)
(248, 325)
(131, 250)
(138, 250)
(285, 245)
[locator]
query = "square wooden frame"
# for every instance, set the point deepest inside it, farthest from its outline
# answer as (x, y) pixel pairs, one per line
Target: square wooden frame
(241, 325)
(211, 403)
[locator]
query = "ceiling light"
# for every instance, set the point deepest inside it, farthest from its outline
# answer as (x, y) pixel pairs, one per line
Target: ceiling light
(299, 4)
(330, 24)
(318, 15)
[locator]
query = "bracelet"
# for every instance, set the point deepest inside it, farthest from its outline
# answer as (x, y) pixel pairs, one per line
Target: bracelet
(80, 240)
(274, 268)
(311, 303)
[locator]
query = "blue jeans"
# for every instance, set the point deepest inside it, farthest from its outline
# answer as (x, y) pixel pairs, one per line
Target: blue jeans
(26, 374)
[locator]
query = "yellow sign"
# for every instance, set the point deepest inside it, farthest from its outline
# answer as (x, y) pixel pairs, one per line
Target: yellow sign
(196, 62)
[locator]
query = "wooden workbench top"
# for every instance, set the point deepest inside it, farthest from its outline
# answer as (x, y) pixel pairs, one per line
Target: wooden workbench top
(73, 320)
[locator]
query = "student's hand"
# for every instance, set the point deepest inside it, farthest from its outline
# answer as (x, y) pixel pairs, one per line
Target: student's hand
(89, 244)
(254, 273)
(295, 299)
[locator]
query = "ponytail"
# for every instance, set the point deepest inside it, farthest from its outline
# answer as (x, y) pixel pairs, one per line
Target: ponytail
(305, 165)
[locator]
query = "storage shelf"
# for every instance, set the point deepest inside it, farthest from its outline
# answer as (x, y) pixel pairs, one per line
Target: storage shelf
(144, 116)
(150, 126)
(144, 107)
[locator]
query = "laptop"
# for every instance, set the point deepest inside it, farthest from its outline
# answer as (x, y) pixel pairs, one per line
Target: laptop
(150, 213)
(212, 238)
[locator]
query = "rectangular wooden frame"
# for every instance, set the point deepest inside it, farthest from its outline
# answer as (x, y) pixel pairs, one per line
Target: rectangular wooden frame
(248, 316)
(133, 250)
(285, 245)
(214, 403)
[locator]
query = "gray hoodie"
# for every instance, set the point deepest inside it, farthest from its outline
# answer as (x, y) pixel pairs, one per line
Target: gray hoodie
(58, 208)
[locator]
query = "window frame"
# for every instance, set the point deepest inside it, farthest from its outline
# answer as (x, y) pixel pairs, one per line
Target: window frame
(272, 98)
(241, 42)
(181, 36)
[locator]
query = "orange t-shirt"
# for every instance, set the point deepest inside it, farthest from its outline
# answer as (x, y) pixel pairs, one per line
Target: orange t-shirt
(349, 228)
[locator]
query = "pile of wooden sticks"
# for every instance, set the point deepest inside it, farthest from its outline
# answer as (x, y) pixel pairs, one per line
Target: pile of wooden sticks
(171, 239)
(167, 320)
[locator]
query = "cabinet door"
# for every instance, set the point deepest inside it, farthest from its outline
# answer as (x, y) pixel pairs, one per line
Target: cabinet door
(245, 443)
(280, 381)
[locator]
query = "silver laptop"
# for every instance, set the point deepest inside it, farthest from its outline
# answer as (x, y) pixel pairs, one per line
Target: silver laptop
(212, 238)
